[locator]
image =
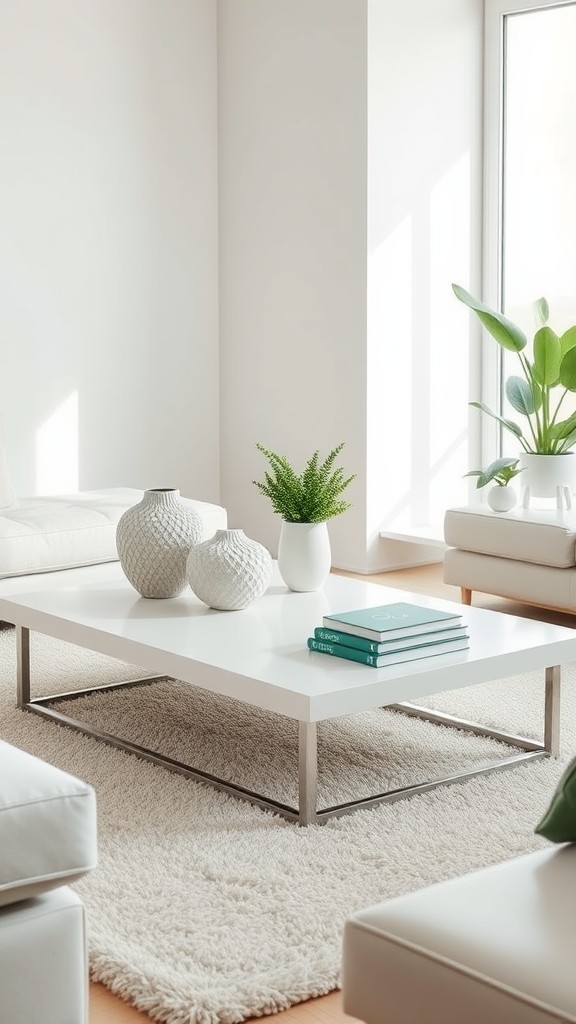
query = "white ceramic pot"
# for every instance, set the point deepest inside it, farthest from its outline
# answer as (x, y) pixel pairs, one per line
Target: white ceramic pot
(542, 474)
(501, 499)
(304, 555)
(153, 540)
(229, 571)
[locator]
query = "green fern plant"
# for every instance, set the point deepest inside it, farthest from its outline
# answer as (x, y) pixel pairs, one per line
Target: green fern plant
(311, 497)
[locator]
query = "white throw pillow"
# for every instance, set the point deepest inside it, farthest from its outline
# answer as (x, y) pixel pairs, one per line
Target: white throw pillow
(8, 497)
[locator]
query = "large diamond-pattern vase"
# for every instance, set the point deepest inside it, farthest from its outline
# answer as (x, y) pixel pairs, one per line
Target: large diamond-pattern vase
(229, 571)
(153, 539)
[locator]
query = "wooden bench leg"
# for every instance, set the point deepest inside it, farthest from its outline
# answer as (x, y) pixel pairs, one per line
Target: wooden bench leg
(466, 595)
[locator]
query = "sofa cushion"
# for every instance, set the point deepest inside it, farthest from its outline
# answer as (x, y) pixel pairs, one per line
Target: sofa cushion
(517, 580)
(44, 534)
(495, 945)
(43, 960)
(47, 826)
(540, 536)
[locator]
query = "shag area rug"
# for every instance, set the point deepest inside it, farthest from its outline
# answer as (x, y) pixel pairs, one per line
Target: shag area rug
(205, 909)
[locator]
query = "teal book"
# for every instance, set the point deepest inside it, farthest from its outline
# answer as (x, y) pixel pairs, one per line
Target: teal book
(420, 653)
(391, 621)
(335, 636)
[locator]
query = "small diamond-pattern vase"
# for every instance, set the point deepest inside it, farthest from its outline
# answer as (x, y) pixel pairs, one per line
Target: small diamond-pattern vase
(229, 570)
(153, 540)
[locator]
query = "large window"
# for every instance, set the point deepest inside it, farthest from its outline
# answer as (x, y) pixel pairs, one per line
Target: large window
(530, 247)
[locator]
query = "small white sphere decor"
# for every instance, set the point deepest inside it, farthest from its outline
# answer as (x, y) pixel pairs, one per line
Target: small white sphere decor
(229, 571)
(501, 499)
(153, 540)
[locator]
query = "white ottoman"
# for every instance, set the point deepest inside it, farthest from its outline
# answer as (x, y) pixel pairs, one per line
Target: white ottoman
(47, 841)
(493, 946)
(525, 555)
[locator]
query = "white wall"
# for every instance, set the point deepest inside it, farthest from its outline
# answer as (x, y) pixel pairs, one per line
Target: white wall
(108, 243)
(424, 232)
(344, 138)
(292, 116)
(350, 193)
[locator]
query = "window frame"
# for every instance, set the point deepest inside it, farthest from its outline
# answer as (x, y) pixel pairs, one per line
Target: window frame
(495, 14)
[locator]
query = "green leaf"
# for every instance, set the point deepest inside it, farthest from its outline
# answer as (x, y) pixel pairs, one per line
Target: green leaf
(568, 340)
(564, 427)
(504, 331)
(547, 355)
(499, 464)
(509, 424)
(568, 370)
(541, 312)
(501, 471)
(520, 395)
(537, 394)
(482, 479)
(567, 442)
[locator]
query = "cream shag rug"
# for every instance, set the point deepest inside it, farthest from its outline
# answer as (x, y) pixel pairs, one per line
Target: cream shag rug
(205, 909)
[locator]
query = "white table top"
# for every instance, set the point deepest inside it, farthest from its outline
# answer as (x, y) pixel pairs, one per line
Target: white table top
(259, 655)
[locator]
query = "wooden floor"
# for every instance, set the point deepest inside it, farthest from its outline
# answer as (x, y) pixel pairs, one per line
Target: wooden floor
(106, 1009)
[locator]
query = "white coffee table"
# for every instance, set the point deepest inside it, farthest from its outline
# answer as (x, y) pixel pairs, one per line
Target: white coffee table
(259, 656)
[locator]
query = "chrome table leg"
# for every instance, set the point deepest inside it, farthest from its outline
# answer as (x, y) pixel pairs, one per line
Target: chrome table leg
(307, 772)
(22, 666)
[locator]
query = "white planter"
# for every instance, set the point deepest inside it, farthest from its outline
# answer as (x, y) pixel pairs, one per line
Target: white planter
(548, 476)
(229, 571)
(501, 499)
(304, 555)
(153, 540)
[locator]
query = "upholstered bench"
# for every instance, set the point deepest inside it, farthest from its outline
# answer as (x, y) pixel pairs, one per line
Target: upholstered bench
(495, 945)
(526, 555)
(54, 535)
(47, 842)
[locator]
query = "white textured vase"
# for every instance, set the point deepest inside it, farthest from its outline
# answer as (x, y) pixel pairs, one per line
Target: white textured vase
(153, 540)
(501, 499)
(304, 555)
(229, 571)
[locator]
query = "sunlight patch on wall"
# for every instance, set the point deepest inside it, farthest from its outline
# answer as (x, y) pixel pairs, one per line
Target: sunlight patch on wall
(389, 370)
(57, 469)
(419, 358)
(450, 245)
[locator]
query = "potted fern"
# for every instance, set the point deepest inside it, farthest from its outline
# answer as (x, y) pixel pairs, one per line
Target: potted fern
(305, 502)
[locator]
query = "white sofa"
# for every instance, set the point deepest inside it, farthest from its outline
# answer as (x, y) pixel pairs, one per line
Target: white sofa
(71, 538)
(496, 946)
(47, 841)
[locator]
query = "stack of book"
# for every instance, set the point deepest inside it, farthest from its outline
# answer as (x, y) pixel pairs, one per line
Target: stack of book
(390, 634)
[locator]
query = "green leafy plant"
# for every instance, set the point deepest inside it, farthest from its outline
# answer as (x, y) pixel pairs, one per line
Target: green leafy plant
(311, 497)
(502, 471)
(548, 376)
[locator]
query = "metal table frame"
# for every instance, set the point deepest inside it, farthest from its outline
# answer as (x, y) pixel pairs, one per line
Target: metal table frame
(307, 811)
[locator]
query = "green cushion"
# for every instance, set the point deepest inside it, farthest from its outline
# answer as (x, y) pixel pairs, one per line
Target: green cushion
(559, 821)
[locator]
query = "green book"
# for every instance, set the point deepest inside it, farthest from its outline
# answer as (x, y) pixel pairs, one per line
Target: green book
(391, 621)
(336, 636)
(396, 658)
